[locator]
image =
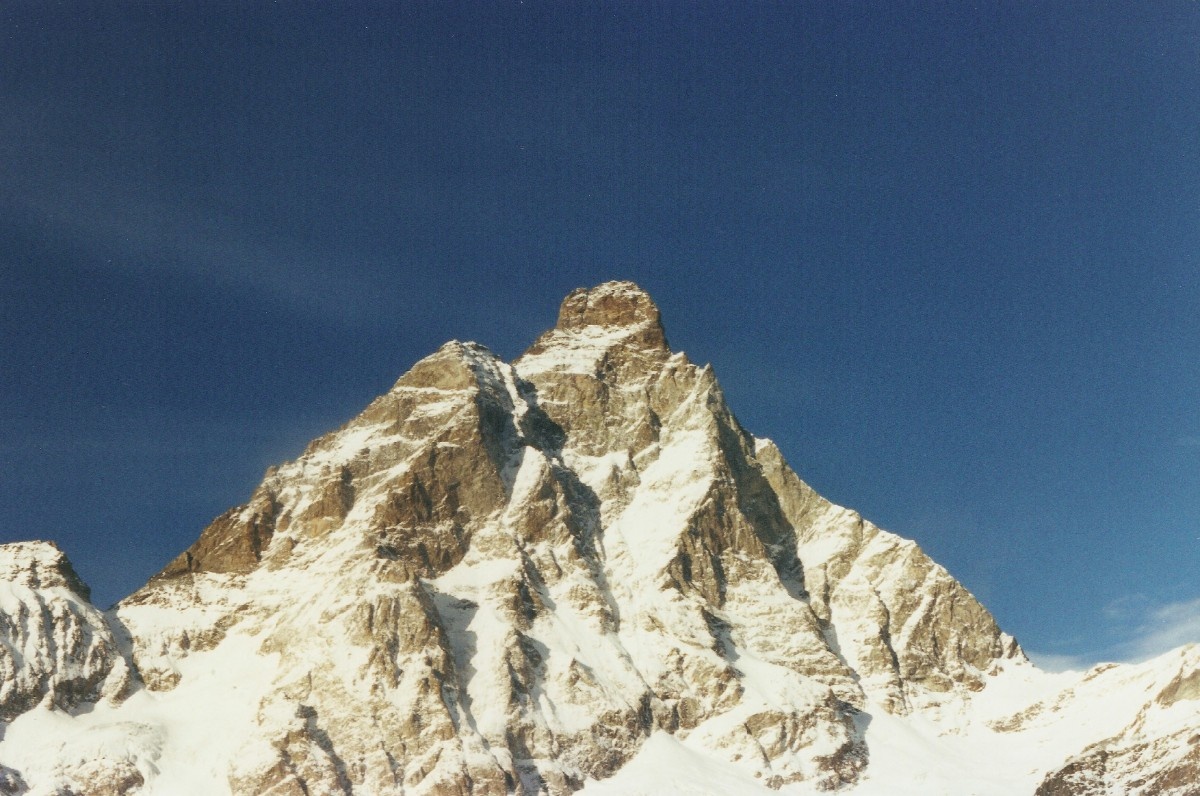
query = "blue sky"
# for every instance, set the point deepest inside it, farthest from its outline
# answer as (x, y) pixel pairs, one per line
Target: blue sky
(946, 255)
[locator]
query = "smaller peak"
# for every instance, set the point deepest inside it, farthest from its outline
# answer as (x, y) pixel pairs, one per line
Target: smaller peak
(612, 304)
(467, 352)
(455, 366)
(466, 349)
(39, 565)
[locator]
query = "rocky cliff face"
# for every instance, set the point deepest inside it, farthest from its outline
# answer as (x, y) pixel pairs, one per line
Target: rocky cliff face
(506, 578)
(55, 648)
(57, 654)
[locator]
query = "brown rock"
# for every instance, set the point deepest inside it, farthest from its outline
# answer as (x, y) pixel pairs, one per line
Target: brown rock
(234, 542)
(611, 304)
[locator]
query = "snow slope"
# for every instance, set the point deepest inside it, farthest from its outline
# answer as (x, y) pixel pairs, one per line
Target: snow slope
(574, 572)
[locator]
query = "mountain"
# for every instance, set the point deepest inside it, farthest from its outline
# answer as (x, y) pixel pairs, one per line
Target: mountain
(572, 573)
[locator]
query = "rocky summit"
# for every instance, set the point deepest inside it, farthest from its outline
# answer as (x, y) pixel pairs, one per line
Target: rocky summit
(575, 572)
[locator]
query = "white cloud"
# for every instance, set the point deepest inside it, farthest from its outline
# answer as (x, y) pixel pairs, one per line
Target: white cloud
(1147, 629)
(147, 226)
(159, 233)
(1053, 662)
(1128, 609)
(1165, 628)
(1153, 628)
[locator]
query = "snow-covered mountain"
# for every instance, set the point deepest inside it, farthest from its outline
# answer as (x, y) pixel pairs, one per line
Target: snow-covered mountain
(572, 573)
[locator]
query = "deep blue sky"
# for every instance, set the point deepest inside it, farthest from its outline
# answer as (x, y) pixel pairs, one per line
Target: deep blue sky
(945, 254)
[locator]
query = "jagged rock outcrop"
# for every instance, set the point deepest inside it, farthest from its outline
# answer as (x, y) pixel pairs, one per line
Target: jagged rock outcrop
(909, 629)
(507, 579)
(55, 648)
(58, 654)
(466, 528)
(40, 565)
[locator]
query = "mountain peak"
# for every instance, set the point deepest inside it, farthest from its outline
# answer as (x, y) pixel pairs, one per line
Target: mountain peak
(595, 320)
(609, 304)
(39, 565)
(527, 578)
(56, 649)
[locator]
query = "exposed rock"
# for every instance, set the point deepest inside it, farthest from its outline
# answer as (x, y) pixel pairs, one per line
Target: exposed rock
(1157, 753)
(11, 783)
(612, 305)
(1184, 687)
(902, 622)
(105, 760)
(234, 542)
(40, 565)
(1167, 766)
(506, 579)
(55, 648)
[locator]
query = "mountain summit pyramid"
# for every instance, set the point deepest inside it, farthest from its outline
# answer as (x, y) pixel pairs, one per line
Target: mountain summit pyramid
(573, 572)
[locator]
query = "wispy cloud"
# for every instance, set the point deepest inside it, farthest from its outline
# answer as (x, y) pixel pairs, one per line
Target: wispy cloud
(1128, 610)
(114, 203)
(1143, 628)
(1152, 628)
(1053, 662)
(152, 231)
(1164, 628)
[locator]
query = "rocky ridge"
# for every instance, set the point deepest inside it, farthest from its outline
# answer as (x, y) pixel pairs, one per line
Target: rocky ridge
(507, 578)
(55, 648)
(1154, 748)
